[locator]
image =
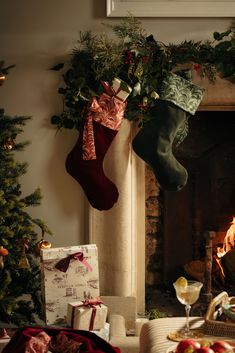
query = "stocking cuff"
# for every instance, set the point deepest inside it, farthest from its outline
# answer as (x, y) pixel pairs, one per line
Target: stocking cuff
(181, 92)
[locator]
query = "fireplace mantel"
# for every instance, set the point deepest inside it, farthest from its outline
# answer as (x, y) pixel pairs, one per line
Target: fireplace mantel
(218, 96)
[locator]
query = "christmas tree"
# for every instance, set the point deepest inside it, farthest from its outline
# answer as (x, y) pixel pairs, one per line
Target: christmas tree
(20, 297)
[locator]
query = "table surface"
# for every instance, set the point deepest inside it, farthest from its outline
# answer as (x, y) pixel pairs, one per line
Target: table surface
(153, 336)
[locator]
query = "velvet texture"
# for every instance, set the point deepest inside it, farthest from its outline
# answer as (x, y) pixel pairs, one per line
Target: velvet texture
(153, 143)
(100, 191)
(90, 342)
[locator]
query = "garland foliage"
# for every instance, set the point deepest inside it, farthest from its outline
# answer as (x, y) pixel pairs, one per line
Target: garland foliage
(139, 60)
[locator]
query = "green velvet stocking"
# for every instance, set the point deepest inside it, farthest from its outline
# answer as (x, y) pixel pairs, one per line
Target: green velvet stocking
(179, 98)
(154, 142)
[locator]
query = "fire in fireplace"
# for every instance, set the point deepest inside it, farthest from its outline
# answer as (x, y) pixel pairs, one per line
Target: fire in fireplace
(219, 261)
(228, 241)
(226, 257)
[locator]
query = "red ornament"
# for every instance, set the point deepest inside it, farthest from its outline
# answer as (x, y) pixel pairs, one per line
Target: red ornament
(128, 57)
(197, 67)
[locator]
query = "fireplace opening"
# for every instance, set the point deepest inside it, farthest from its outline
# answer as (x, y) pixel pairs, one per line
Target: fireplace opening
(176, 222)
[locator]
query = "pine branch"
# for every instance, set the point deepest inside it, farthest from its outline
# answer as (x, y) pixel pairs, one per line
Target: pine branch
(33, 199)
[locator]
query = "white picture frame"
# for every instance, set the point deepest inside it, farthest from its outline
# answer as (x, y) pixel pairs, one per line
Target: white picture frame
(170, 8)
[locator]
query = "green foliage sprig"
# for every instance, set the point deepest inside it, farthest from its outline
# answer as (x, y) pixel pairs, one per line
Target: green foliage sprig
(5, 69)
(141, 61)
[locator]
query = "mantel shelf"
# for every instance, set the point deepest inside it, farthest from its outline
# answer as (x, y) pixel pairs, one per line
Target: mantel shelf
(218, 96)
(216, 108)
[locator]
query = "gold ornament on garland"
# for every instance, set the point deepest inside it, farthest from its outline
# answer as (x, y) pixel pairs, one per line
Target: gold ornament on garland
(42, 244)
(8, 144)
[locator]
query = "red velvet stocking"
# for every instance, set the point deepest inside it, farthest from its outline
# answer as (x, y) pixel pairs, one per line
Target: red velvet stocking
(100, 191)
(85, 162)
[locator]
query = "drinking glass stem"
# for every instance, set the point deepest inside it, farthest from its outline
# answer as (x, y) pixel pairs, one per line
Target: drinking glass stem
(187, 310)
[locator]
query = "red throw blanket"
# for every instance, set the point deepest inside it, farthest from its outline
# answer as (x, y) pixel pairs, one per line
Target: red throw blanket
(35, 339)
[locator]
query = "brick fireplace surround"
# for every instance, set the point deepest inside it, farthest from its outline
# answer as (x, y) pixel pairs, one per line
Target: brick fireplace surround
(177, 222)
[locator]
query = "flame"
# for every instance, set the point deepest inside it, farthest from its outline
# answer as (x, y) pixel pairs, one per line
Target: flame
(229, 240)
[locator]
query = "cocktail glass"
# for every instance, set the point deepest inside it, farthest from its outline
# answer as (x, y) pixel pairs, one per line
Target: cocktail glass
(187, 295)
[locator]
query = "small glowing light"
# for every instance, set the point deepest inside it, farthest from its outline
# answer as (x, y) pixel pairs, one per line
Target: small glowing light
(2, 79)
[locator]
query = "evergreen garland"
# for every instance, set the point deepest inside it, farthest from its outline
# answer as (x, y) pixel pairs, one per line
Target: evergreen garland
(141, 61)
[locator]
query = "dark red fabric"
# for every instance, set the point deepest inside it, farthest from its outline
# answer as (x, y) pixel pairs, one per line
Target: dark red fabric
(91, 343)
(63, 264)
(100, 191)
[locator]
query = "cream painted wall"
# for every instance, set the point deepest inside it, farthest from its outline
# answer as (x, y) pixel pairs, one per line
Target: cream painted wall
(34, 35)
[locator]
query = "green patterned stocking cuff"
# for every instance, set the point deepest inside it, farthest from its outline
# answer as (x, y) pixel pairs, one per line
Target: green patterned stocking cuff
(181, 92)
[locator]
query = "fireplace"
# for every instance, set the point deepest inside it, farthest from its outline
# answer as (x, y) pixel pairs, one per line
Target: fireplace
(129, 229)
(176, 222)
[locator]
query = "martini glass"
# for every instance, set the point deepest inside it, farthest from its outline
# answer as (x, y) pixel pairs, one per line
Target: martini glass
(187, 295)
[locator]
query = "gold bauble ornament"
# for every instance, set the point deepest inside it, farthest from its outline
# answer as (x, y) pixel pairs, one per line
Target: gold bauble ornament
(43, 244)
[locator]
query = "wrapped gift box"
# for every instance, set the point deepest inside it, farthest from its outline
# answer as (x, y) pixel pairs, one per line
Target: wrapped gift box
(68, 274)
(87, 315)
(121, 88)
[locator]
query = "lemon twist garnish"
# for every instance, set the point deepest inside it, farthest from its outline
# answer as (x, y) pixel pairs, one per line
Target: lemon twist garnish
(181, 282)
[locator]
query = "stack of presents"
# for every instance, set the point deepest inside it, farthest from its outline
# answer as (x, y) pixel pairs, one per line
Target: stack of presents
(70, 288)
(71, 300)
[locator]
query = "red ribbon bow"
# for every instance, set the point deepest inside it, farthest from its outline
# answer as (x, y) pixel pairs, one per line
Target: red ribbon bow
(63, 264)
(89, 303)
(108, 111)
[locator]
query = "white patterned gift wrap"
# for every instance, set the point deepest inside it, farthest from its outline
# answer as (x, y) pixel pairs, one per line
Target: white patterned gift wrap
(79, 282)
(82, 316)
